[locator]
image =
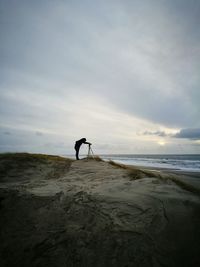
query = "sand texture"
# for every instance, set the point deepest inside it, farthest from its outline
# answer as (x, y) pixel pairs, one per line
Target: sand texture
(60, 212)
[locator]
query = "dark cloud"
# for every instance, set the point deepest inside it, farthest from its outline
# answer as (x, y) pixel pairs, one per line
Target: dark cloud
(39, 133)
(190, 133)
(7, 133)
(193, 134)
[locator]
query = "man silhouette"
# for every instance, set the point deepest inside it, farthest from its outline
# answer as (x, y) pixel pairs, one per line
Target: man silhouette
(78, 145)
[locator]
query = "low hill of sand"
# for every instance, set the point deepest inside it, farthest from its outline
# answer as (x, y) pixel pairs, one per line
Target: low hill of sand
(60, 212)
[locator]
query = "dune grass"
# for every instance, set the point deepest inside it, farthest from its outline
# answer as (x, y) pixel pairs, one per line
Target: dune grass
(14, 164)
(96, 158)
(29, 156)
(136, 173)
(133, 172)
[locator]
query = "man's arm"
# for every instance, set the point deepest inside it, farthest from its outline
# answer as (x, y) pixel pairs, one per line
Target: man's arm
(87, 143)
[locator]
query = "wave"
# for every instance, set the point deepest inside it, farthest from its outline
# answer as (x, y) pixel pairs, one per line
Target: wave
(177, 162)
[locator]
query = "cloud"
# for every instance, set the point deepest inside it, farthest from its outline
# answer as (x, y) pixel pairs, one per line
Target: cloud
(158, 133)
(190, 133)
(63, 63)
(193, 134)
(7, 133)
(146, 63)
(39, 133)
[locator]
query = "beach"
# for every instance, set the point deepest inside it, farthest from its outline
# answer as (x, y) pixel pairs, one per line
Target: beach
(61, 212)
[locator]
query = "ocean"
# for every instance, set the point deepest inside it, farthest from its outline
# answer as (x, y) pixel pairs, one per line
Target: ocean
(175, 162)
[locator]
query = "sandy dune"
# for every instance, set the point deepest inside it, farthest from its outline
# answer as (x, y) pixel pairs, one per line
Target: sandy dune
(59, 212)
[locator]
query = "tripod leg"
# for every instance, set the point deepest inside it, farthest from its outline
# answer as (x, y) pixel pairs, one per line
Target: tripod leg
(92, 151)
(88, 152)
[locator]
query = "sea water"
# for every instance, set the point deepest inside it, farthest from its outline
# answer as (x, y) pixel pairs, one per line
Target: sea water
(175, 162)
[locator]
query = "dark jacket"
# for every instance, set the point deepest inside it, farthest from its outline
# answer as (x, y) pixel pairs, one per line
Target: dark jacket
(80, 142)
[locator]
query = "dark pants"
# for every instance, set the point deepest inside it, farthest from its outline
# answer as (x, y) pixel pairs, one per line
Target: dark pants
(77, 151)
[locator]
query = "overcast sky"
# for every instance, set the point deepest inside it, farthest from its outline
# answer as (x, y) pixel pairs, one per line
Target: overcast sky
(124, 74)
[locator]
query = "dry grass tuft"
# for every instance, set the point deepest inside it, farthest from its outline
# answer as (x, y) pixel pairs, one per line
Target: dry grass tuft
(119, 165)
(134, 173)
(96, 158)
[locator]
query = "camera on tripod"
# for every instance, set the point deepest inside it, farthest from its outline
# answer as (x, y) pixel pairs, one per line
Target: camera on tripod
(90, 152)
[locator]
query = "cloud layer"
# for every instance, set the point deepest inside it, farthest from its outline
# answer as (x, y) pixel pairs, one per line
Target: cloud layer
(103, 69)
(193, 134)
(189, 133)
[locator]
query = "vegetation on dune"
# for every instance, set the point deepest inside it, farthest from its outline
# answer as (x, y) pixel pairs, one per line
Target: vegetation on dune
(96, 158)
(13, 164)
(119, 165)
(31, 157)
(135, 173)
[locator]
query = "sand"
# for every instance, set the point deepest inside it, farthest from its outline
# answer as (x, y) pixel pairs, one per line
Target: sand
(60, 212)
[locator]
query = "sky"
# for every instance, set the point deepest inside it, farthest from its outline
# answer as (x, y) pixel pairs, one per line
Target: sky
(125, 74)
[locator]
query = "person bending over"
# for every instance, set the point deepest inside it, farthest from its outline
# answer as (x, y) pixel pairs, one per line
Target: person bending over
(78, 145)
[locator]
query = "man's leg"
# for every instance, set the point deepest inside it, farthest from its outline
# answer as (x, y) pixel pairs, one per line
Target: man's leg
(77, 151)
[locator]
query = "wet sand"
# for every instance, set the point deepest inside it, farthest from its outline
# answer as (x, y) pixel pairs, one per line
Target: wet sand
(60, 212)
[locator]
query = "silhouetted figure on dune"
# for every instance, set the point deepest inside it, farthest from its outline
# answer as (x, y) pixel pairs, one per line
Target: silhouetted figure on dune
(78, 145)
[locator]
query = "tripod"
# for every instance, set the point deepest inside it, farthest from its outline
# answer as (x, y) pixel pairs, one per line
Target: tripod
(90, 152)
